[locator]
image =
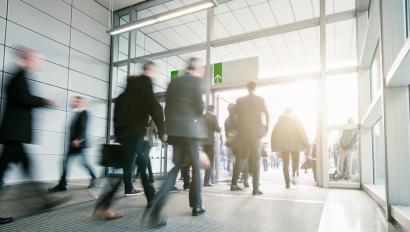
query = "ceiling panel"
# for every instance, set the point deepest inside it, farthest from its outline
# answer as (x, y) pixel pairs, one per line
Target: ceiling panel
(237, 4)
(230, 23)
(302, 9)
(264, 15)
(247, 19)
(255, 2)
(282, 11)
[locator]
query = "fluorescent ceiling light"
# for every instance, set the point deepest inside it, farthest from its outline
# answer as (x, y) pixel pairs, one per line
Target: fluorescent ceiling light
(163, 17)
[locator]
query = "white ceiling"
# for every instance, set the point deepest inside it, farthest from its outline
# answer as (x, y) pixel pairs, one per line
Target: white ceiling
(292, 52)
(118, 4)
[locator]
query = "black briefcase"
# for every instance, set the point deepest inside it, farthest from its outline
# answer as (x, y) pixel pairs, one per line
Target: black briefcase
(113, 155)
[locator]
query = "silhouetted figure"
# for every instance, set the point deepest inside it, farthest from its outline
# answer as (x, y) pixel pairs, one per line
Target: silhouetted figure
(131, 113)
(77, 143)
(289, 138)
(264, 156)
(212, 126)
(183, 112)
(16, 127)
(252, 123)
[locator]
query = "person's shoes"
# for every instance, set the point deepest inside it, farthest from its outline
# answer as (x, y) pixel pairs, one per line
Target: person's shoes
(257, 192)
(133, 192)
(186, 187)
(235, 188)
(107, 214)
(198, 211)
(151, 179)
(57, 188)
(5, 220)
(174, 190)
(295, 181)
(93, 183)
(246, 184)
(208, 185)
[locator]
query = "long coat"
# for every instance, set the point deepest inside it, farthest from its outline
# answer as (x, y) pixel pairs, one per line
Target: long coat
(184, 107)
(288, 135)
(78, 128)
(17, 122)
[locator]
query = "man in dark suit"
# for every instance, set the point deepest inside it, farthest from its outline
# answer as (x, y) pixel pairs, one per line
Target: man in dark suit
(252, 123)
(212, 126)
(16, 127)
(77, 143)
(183, 112)
(132, 111)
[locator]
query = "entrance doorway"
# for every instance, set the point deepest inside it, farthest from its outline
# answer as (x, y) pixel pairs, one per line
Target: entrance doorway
(301, 96)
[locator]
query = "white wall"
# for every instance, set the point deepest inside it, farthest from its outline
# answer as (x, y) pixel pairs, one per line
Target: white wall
(71, 36)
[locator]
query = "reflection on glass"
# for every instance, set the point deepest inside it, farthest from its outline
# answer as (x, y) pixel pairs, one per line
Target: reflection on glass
(375, 77)
(378, 153)
(343, 151)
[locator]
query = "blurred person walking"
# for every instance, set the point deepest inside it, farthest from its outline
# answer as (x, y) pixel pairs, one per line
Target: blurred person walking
(212, 127)
(17, 126)
(264, 155)
(131, 113)
(183, 112)
(78, 142)
(289, 138)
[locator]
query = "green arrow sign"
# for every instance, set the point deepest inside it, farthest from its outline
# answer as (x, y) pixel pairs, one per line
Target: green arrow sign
(174, 74)
(217, 73)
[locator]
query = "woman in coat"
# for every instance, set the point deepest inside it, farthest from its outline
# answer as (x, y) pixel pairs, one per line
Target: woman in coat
(289, 138)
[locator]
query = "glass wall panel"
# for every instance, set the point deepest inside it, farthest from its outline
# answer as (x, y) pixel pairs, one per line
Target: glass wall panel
(122, 40)
(378, 153)
(375, 75)
(337, 6)
(343, 153)
(342, 99)
(244, 16)
(341, 44)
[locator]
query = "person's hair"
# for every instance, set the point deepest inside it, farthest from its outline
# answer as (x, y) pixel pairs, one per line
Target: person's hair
(78, 97)
(211, 107)
(251, 86)
(23, 52)
(193, 63)
(148, 65)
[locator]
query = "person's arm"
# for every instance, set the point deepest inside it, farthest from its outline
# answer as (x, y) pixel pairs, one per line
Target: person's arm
(80, 130)
(265, 112)
(155, 111)
(216, 124)
(23, 97)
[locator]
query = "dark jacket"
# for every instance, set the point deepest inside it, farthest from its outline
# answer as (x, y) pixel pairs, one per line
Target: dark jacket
(249, 111)
(17, 122)
(184, 107)
(212, 126)
(288, 135)
(134, 106)
(79, 127)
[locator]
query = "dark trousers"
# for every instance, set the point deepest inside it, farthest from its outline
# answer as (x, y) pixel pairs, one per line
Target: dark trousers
(105, 200)
(182, 147)
(209, 150)
(147, 149)
(186, 177)
(238, 167)
(250, 149)
(132, 141)
(72, 153)
(295, 164)
(265, 164)
(14, 152)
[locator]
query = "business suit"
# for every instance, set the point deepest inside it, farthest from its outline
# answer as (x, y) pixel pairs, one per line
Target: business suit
(212, 126)
(183, 111)
(131, 114)
(78, 130)
(249, 110)
(16, 127)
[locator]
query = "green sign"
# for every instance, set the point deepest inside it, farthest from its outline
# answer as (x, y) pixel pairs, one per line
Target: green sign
(174, 74)
(217, 73)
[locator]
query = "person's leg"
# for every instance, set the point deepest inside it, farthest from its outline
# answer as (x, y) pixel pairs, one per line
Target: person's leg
(192, 148)
(209, 150)
(129, 143)
(285, 158)
(186, 177)
(237, 167)
(5, 160)
(142, 166)
(255, 150)
(104, 202)
(86, 165)
(295, 163)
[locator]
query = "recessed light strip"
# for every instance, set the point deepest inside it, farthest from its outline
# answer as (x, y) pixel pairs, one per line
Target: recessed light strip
(163, 17)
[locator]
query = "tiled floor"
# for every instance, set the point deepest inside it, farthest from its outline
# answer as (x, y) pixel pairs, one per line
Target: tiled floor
(302, 208)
